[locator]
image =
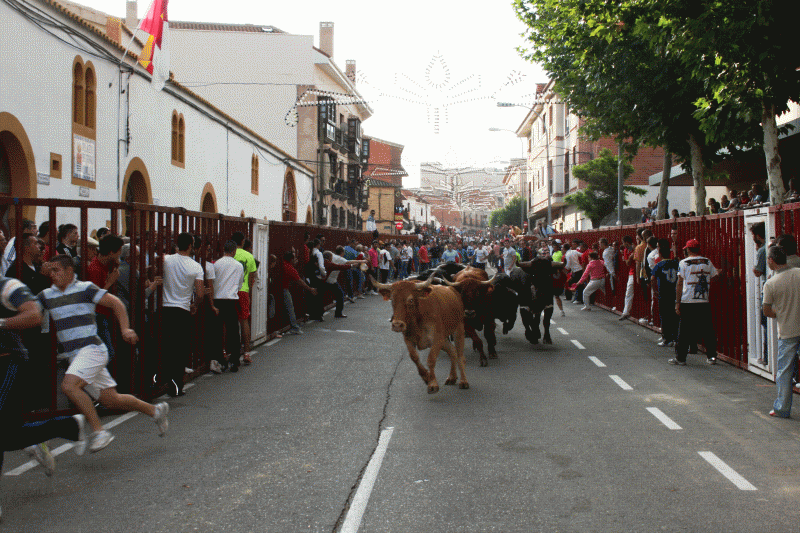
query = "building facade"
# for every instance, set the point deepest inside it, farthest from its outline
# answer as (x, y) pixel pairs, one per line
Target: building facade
(314, 112)
(77, 124)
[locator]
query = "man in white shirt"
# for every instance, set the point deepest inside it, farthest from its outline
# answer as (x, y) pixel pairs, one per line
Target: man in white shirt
(229, 277)
(183, 277)
(609, 260)
(509, 257)
(693, 307)
(573, 266)
(384, 263)
(406, 252)
(481, 256)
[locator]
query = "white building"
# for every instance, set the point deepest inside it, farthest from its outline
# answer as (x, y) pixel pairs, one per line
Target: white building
(286, 89)
(77, 124)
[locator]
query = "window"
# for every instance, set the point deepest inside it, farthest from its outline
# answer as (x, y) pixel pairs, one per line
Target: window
(566, 121)
(566, 172)
(83, 155)
(254, 174)
(178, 148)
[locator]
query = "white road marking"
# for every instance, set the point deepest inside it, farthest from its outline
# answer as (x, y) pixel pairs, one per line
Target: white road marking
(563, 331)
(68, 446)
(578, 344)
(619, 381)
(597, 361)
(552, 321)
(664, 419)
(740, 482)
(326, 313)
(274, 341)
(353, 519)
(345, 331)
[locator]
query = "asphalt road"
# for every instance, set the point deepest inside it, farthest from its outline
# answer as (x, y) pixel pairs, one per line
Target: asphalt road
(544, 440)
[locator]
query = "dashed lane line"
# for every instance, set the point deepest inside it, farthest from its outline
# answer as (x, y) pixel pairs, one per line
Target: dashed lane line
(597, 361)
(563, 331)
(345, 331)
(353, 519)
(578, 344)
(664, 419)
(619, 381)
(734, 477)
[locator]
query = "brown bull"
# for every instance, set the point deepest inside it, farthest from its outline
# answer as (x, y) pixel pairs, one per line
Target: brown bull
(476, 290)
(427, 315)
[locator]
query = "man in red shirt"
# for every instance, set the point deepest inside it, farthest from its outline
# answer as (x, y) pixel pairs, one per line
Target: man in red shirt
(373, 263)
(629, 259)
(103, 271)
(424, 259)
(290, 278)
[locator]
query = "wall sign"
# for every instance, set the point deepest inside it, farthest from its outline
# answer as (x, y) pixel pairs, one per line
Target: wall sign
(42, 179)
(83, 192)
(83, 152)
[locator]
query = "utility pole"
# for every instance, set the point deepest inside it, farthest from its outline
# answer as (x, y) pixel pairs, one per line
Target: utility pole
(620, 184)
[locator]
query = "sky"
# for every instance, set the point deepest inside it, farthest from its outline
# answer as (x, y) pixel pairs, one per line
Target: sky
(457, 58)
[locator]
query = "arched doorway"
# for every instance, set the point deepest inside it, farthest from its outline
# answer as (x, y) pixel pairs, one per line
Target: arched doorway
(135, 188)
(289, 208)
(208, 202)
(17, 169)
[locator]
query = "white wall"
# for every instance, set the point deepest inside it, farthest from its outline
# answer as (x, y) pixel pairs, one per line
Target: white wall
(265, 67)
(36, 87)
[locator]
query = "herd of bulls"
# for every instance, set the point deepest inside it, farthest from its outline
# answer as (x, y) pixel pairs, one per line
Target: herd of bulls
(436, 310)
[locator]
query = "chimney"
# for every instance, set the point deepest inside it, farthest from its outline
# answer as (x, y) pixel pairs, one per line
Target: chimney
(113, 29)
(326, 38)
(131, 17)
(350, 70)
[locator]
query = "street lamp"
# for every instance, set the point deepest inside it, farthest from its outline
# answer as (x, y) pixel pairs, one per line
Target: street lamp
(523, 205)
(547, 155)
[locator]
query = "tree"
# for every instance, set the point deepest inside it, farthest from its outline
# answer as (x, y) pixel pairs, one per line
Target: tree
(620, 83)
(509, 215)
(599, 198)
(746, 54)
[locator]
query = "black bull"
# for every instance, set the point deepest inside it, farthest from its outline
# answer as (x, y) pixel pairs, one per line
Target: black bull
(533, 282)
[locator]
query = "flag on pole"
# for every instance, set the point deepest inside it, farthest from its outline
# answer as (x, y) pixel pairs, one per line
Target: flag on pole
(155, 53)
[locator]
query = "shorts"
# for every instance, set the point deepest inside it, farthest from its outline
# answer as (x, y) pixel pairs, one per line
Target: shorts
(89, 364)
(558, 290)
(243, 307)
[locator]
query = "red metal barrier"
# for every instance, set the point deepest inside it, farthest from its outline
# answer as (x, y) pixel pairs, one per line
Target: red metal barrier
(722, 241)
(154, 230)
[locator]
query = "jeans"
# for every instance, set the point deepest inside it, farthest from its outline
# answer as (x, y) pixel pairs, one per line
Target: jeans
(348, 282)
(14, 434)
(288, 303)
(177, 331)
(785, 371)
(229, 320)
(628, 296)
(403, 269)
(696, 325)
(669, 320)
(578, 295)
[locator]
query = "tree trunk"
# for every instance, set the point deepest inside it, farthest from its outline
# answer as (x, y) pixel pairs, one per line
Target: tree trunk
(698, 176)
(662, 191)
(771, 154)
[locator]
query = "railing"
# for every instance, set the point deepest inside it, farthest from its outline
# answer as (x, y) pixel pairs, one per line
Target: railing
(722, 238)
(153, 230)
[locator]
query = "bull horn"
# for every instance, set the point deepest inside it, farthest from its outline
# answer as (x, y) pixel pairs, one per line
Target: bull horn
(491, 281)
(525, 264)
(454, 284)
(424, 284)
(379, 286)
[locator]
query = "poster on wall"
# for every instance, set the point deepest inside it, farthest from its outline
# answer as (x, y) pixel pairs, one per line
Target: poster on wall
(83, 155)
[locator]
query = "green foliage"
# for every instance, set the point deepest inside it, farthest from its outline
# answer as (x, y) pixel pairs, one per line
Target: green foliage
(599, 198)
(510, 215)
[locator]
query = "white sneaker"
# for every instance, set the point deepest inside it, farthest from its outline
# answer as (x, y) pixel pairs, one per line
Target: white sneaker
(297, 331)
(215, 367)
(42, 454)
(661, 339)
(586, 308)
(80, 444)
(100, 439)
(188, 370)
(642, 321)
(160, 418)
(374, 293)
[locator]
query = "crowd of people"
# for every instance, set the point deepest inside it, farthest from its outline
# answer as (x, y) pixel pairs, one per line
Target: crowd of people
(42, 292)
(756, 196)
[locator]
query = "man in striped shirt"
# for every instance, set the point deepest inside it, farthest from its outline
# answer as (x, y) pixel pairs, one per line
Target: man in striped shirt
(71, 304)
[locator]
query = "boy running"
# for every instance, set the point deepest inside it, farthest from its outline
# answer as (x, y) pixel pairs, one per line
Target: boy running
(72, 303)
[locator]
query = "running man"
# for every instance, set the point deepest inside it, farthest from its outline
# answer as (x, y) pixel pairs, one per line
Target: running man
(18, 311)
(72, 304)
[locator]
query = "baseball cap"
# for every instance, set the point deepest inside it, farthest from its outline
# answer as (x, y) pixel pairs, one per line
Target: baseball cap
(692, 243)
(558, 241)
